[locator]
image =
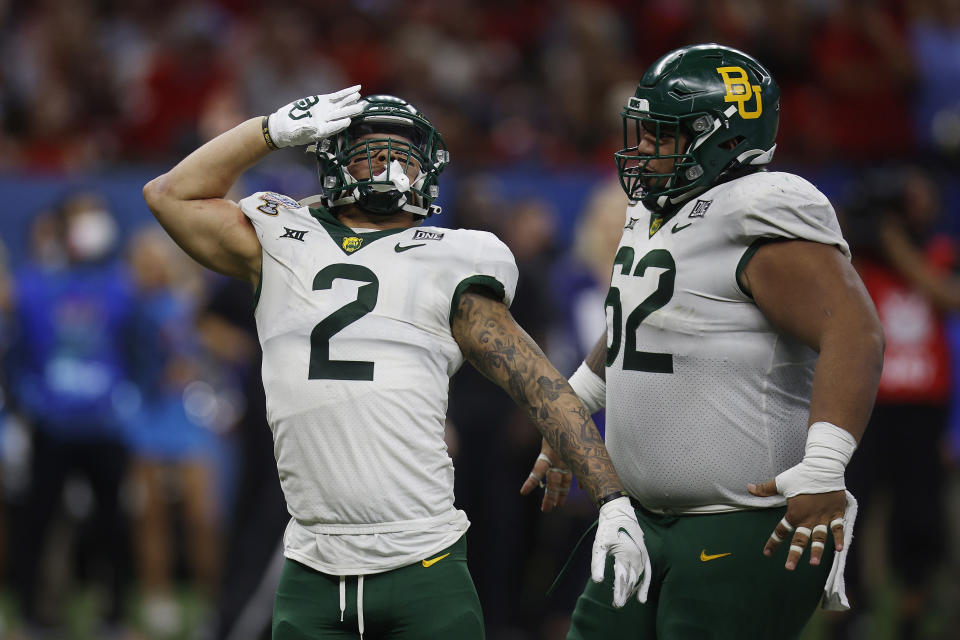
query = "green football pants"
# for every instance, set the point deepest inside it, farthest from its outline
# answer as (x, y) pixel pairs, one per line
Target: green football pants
(710, 581)
(434, 598)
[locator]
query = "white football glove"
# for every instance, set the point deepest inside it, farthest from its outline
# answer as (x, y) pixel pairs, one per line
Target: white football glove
(619, 535)
(313, 118)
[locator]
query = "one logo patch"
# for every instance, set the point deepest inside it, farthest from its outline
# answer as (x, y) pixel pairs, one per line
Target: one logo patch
(351, 243)
(740, 90)
(272, 200)
(680, 227)
(296, 234)
(400, 249)
(630, 224)
(700, 208)
(427, 235)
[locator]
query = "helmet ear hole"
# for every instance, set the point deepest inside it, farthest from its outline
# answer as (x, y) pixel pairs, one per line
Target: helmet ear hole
(731, 143)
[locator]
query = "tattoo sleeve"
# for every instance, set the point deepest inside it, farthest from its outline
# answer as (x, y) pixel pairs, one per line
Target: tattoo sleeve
(495, 344)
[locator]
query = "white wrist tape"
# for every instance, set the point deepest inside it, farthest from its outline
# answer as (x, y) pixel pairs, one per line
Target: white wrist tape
(825, 459)
(589, 387)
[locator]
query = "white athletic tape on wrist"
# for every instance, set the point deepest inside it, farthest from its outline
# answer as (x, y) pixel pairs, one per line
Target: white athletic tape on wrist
(802, 531)
(820, 527)
(825, 459)
(589, 387)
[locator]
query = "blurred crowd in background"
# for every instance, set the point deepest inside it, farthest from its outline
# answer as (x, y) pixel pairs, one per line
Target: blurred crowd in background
(138, 492)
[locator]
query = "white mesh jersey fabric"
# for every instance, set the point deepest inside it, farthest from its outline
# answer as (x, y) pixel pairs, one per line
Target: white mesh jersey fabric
(357, 355)
(735, 407)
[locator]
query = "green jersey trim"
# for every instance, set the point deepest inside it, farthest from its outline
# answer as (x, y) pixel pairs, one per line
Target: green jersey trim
(748, 255)
(484, 281)
(346, 238)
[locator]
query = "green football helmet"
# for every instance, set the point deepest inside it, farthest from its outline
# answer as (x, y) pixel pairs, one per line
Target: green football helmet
(724, 101)
(391, 190)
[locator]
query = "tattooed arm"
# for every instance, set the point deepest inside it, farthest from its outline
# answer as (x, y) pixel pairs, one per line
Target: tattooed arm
(495, 344)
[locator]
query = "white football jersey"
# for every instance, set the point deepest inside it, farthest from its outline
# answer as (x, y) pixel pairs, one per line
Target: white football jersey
(357, 356)
(703, 394)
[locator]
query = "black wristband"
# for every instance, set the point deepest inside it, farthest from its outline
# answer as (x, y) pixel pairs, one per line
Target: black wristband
(264, 125)
(611, 496)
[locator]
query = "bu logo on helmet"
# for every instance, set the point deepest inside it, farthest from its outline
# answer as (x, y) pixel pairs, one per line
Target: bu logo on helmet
(740, 90)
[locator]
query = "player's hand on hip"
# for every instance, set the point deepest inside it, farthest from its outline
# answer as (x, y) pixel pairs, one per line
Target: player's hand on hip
(619, 534)
(549, 474)
(313, 118)
(809, 521)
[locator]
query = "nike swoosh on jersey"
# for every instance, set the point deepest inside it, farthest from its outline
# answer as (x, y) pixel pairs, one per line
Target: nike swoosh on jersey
(707, 557)
(400, 249)
(433, 561)
(679, 227)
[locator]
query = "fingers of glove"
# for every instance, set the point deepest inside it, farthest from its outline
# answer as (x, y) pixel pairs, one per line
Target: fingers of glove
(645, 583)
(332, 127)
(344, 95)
(598, 561)
(626, 579)
(346, 111)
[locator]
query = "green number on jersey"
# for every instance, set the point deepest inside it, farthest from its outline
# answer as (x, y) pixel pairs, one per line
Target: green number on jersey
(321, 366)
(634, 360)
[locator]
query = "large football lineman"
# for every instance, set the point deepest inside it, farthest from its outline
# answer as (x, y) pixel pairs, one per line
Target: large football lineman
(739, 369)
(363, 315)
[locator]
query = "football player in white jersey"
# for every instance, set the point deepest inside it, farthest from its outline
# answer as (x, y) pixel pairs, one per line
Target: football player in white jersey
(363, 315)
(740, 365)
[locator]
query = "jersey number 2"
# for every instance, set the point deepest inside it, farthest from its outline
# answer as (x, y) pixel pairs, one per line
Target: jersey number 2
(634, 360)
(321, 366)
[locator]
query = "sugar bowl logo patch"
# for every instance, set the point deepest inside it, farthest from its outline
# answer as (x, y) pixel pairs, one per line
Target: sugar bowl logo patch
(351, 243)
(272, 200)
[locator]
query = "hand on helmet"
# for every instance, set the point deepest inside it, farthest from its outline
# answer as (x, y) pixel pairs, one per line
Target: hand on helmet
(313, 118)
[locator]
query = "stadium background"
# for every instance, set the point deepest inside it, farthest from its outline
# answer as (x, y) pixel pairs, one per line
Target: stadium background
(101, 96)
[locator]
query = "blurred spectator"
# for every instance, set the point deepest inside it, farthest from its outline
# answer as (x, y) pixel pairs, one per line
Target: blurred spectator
(865, 72)
(934, 31)
(581, 278)
(173, 450)
(906, 268)
(69, 378)
(252, 555)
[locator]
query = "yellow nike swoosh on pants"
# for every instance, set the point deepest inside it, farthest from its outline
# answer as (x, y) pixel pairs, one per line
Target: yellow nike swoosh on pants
(705, 557)
(433, 561)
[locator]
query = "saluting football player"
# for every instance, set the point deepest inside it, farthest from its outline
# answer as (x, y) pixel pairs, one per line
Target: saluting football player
(363, 316)
(740, 365)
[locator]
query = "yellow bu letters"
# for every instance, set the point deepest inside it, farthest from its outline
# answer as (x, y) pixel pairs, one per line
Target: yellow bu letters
(740, 90)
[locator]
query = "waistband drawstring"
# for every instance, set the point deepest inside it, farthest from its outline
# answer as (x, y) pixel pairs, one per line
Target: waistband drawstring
(343, 601)
(360, 605)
